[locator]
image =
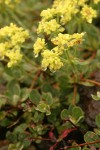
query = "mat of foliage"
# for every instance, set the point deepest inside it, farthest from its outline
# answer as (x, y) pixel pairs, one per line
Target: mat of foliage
(49, 74)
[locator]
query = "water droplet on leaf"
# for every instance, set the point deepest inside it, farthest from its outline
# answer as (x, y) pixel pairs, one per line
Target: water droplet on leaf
(35, 55)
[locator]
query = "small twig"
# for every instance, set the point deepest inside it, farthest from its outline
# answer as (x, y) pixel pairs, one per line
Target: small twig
(35, 79)
(71, 123)
(42, 139)
(92, 57)
(92, 81)
(74, 96)
(79, 145)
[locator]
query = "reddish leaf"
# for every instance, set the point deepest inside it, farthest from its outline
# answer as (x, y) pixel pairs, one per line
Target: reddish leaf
(52, 136)
(53, 147)
(65, 133)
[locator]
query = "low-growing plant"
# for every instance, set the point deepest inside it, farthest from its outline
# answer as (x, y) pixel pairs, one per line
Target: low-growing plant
(49, 69)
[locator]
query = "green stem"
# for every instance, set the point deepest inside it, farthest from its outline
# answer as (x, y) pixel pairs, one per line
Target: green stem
(72, 64)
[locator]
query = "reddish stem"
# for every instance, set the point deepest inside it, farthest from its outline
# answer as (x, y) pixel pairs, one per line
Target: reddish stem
(92, 81)
(35, 79)
(79, 145)
(74, 96)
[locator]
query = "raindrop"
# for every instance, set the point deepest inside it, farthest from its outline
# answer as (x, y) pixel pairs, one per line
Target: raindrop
(44, 69)
(53, 71)
(35, 55)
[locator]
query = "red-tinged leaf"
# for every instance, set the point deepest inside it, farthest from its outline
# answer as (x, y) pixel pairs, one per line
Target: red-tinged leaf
(65, 133)
(53, 147)
(52, 136)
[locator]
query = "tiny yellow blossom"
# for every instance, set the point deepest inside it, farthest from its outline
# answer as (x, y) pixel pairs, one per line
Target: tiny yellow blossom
(14, 56)
(88, 13)
(58, 49)
(51, 60)
(48, 14)
(49, 27)
(39, 46)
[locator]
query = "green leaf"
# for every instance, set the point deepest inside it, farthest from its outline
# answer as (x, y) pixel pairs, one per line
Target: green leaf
(44, 108)
(97, 131)
(14, 100)
(96, 97)
(90, 137)
(48, 98)
(2, 115)
(85, 148)
(20, 128)
(86, 83)
(17, 146)
(35, 97)
(13, 88)
(12, 137)
(38, 117)
(77, 114)
(70, 97)
(24, 94)
(26, 143)
(53, 117)
(64, 114)
(98, 120)
(2, 101)
(5, 122)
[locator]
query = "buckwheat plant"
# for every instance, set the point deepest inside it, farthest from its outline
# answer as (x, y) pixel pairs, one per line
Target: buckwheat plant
(52, 30)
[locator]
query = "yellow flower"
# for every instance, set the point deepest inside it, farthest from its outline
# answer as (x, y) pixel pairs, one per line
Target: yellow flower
(88, 13)
(14, 56)
(48, 14)
(49, 27)
(39, 46)
(64, 9)
(51, 60)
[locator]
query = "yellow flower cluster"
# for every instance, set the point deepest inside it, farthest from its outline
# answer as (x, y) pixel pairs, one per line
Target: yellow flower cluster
(51, 60)
(88, 13)
(66, 40)
(11, 39)
(49, 27)
(64, 10)
(96, 1)
(39, 46)
(51, 30)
